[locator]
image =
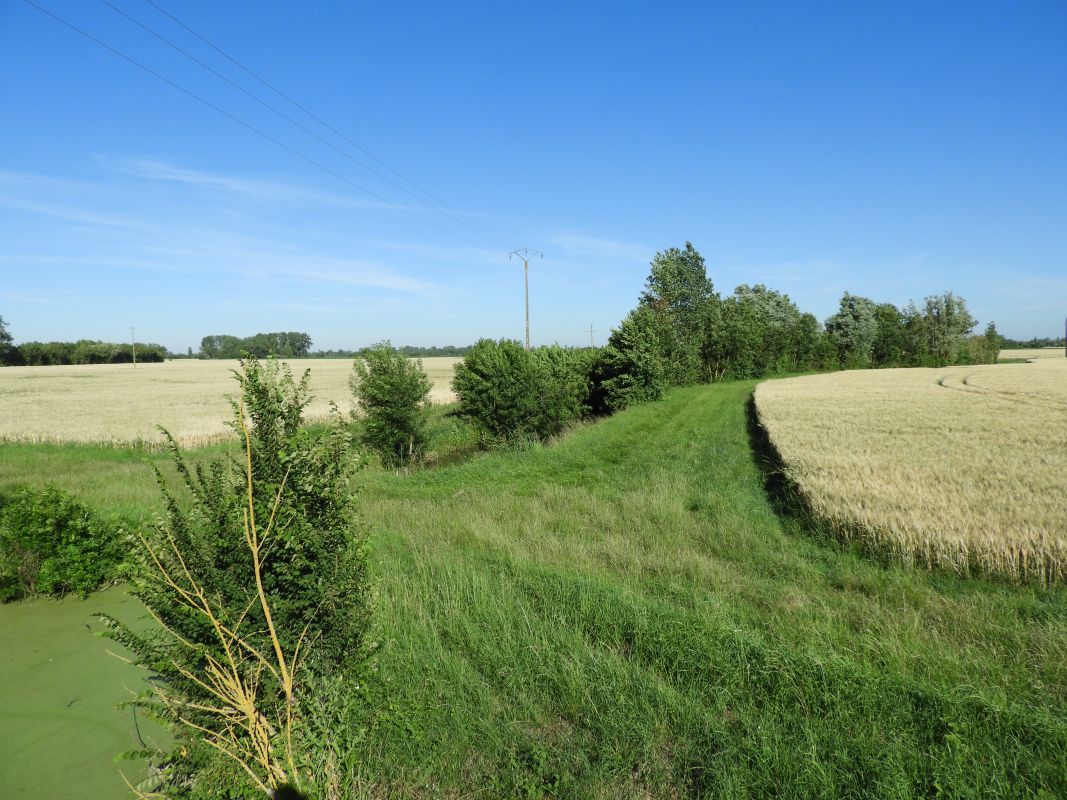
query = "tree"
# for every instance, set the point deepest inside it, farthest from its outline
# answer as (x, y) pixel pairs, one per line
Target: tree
(631, 368)
(394, 394)
(994, 341)
(890, 346)
(854, 330)
(986, 348)
(679, 291)
(755, 331)
(803, 338)
(946, 325)
(7, 347)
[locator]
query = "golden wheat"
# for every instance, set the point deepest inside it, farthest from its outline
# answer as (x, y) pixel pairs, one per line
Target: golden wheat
(1031, 353)
(117, 404)
(962, 467)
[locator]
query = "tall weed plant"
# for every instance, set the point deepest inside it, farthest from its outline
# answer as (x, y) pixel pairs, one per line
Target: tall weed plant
(257, 578)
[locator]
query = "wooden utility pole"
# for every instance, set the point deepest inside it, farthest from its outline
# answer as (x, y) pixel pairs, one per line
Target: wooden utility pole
(525, 253)
(133, 339)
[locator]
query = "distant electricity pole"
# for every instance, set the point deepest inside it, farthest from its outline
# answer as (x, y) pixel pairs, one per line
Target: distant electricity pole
(591, 335)
(133, 339)
(525, 254)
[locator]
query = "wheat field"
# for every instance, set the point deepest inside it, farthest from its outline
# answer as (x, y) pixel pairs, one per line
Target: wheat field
(117, 404)
(1031, 353)
(963, 468)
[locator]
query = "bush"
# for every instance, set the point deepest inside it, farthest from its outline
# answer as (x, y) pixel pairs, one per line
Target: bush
(52, 544)
(257, 575)
(565, 386)
(393, 394)
(511, 394)
(632, 368)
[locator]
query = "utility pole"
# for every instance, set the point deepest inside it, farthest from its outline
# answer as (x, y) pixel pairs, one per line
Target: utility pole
(525, 253)
(591, 345)
(133, 339)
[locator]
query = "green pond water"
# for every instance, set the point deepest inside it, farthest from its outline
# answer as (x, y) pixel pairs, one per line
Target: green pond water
(60, 727)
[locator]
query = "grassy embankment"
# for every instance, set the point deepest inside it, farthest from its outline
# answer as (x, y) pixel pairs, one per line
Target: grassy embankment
(625, 615)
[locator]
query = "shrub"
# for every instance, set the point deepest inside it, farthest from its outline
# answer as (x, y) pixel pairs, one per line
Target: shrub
(257, 576)
(564, 392)
(510, 393)
(632, 368)
(393, 393)
(52, 544)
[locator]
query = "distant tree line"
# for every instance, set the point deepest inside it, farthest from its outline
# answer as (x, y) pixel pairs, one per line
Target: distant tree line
(1033, 344)
(408, 351)
(84, 351)
(683, 332)
(290, 344)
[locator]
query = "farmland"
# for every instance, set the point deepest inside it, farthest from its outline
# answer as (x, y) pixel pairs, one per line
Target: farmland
(117, 404)
(1030, 354)
(961, 467)
(624, 614)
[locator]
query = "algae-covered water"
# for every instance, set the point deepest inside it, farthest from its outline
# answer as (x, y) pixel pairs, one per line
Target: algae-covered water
(60, 727)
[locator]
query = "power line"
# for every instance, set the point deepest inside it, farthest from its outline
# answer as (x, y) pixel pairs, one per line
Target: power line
(248, 125)
(455, 215)
(458, 214)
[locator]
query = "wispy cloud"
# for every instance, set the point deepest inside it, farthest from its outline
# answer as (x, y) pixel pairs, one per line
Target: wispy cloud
(258, 189)
(577, 245)
(153, 238)
(155, 169)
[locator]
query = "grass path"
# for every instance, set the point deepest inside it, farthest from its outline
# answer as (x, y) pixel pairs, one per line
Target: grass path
(624, 615)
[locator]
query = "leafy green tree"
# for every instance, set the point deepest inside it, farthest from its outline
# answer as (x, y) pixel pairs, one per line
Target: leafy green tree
(947, 323)
(985, 349)
(803, 339)
(679, 291)
(284, 344)
(754, 331)
(890, 345)
(994, 341)
(6, 343)
(632, 367)
(735, 342)
(854, 330)
(393, 393)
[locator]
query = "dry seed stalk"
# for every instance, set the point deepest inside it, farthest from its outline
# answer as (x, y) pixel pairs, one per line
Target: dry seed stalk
(244, 728)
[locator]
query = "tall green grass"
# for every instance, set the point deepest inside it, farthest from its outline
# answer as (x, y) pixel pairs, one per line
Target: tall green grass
(624, 614)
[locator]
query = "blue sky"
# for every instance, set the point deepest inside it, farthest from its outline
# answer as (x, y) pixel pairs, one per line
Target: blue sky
(894, 150)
